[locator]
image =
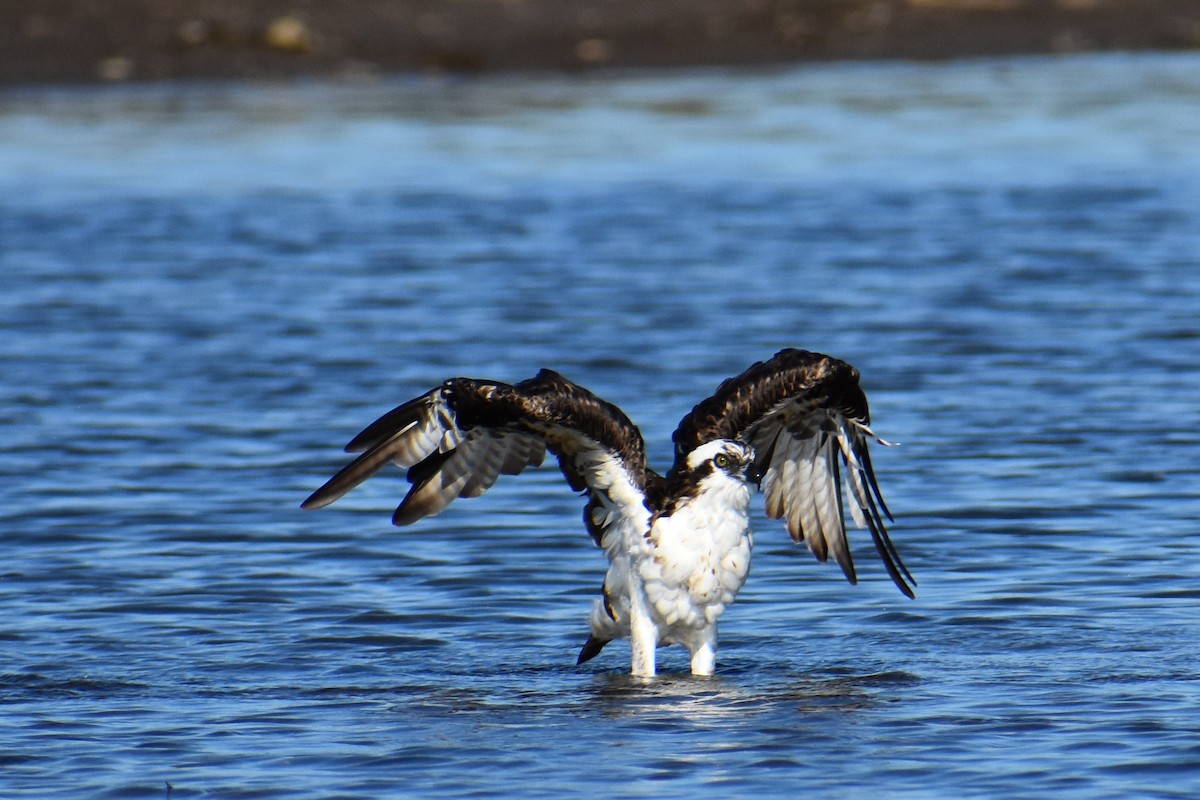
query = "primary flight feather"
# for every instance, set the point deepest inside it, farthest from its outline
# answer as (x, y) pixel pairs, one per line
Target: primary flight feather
(678, 544)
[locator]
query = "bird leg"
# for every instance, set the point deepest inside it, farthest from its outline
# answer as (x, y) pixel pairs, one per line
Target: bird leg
(643, 633)
(704, 657)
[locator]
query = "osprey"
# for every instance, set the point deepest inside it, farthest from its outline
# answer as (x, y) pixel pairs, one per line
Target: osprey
(678, 544)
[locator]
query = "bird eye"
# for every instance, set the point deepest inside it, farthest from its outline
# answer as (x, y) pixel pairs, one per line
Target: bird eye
(721, 460)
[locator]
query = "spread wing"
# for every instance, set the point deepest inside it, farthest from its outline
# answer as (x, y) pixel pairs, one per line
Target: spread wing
(807, 419)
(456, 441)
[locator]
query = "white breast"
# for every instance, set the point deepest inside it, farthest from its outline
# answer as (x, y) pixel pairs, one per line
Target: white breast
(699, 557)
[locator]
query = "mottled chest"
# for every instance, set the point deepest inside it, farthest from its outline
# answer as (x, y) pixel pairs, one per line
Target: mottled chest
(701, 552)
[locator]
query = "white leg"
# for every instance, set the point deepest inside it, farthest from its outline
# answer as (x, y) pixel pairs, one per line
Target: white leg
(704, 657)
(643, 634)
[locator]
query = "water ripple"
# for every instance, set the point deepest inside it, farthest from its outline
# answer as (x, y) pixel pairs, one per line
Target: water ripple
(194, 325)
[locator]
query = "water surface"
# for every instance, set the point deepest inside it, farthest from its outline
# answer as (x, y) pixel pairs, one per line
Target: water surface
(209, 289)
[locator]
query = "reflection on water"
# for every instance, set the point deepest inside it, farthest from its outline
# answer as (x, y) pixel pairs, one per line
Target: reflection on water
(208, 289)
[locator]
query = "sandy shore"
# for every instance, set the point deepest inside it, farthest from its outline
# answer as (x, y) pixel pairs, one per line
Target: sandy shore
(80, 41)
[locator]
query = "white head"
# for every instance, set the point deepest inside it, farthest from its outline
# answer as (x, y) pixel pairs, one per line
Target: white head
(727, 457)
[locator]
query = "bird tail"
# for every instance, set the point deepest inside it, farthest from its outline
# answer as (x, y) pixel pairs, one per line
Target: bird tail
(591, 649)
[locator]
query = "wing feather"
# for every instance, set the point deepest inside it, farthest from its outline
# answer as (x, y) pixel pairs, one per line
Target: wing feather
(856, 489)
(773, 486)
(808, 420)
(457, 439)
(829, 508)
(406, 435)
(483, 468)
(801, 464)
(437, 489)
(522, 451)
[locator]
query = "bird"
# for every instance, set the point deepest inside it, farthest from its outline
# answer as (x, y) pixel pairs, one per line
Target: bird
(795, 426)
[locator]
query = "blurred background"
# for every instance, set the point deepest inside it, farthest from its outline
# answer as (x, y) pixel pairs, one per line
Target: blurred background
(233, 234)
(87, 40)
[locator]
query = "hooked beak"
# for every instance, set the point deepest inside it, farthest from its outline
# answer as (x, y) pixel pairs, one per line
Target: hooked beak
(753, 474)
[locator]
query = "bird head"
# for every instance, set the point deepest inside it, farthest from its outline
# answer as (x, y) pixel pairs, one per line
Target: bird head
(724, 456)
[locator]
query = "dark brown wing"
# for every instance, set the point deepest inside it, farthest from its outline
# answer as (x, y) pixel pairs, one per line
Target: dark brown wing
(457, 439)
(807, 419)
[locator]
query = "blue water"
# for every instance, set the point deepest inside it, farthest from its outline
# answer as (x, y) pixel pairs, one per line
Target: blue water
(207, 290)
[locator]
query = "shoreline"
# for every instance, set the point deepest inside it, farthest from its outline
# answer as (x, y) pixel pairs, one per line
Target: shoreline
(65, 42)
